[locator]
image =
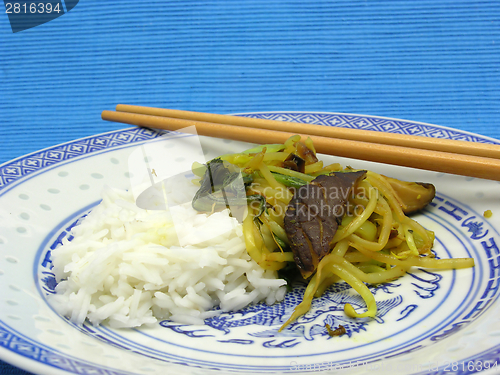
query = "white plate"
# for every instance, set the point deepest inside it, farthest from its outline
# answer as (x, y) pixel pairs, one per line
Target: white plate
(444, 321)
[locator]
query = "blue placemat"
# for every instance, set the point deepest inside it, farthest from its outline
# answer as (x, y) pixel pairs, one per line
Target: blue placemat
(430, 61)
(427, 61)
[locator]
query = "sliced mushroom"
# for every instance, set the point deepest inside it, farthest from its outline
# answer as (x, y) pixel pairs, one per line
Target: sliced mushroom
(313, 215)
(295, 163)
(305, 153)
(414, 195)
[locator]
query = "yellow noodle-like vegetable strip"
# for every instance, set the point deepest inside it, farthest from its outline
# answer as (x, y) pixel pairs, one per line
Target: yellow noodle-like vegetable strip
(264, 262)
(313, 168)
(277, 213)
(255, 243)
(267, 237)
(356, 257)
(410, 241)
(282, 194)
(305, 305)
(372, 268)
(280, 257)
(238, 159)
(248, 234)
(273, 156)
(341, 248)
(385, 231)
(386, 189)
(359, 287)
(272, 195)
(422, 232)
(325, 283)
(259, 241)
(360, 219)
(371, 278)
(402, 251)
(373, 246)
(314, 284)
(367, 230)
(312, 287)
(271, 264)
(334, 167)
(274, 227)
(393, 242)
(310, 144)
(266, 173)
(386, 183)
(425, 262)
(254, 163)
(270, 147)
(290, 144)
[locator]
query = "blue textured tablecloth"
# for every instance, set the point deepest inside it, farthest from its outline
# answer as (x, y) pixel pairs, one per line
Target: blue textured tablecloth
(430, 61)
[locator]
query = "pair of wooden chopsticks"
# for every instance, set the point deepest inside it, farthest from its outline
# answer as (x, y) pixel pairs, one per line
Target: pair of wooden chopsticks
(441, 155)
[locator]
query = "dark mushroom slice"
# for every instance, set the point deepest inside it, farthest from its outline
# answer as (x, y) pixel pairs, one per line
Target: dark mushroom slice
(305, 153)
(295, 163)
(414, 195)
(314, 214)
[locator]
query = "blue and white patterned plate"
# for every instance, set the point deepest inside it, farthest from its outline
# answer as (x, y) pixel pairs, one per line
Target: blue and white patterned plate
(439, 321)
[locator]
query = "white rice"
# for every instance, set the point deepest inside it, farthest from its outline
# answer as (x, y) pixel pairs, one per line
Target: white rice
(124, 266)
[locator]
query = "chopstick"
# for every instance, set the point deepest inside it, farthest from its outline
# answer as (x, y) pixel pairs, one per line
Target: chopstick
(404, 140)
(439, 161)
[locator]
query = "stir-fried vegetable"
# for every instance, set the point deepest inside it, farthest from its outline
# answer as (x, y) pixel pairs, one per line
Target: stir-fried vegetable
(322, 223)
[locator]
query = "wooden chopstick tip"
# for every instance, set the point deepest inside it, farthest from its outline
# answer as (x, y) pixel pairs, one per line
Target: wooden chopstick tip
(104, 115)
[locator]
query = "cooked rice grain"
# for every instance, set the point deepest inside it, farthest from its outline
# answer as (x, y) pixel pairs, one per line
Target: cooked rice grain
(124, 266)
